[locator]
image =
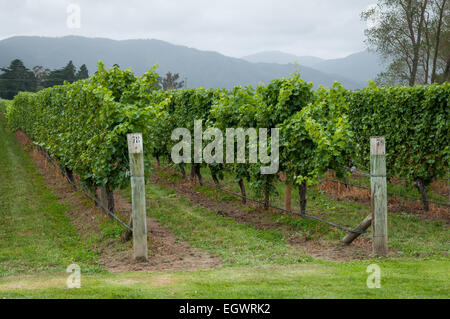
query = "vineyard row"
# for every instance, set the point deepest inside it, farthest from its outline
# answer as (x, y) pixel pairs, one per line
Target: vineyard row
(84, 125)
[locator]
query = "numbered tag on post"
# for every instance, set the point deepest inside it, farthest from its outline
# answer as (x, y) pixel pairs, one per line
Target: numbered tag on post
(135, 143)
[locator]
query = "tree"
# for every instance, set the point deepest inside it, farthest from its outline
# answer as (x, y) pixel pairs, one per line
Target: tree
(83, 73)
(16, 78)
(411, 35)
(57, 77)
(444, 46)
(442, 37)
(69, 72)
(170, 82)
(436, 36)
(41, 74)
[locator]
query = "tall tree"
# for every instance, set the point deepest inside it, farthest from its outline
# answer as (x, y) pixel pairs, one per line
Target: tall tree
(16, 78)
(436, 35)
(41, 74)
(170, 82)
(443, 47)
(57, 77)
(442, 36)
(409, 34)
(82, 73)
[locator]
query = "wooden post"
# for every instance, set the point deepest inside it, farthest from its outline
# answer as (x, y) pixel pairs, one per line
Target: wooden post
(287, 196)
(139, 217)
(287, 192)
(302, 197)
(378, 195)
(350, 237)
(242, 187)
(107, 198)
(183, 172)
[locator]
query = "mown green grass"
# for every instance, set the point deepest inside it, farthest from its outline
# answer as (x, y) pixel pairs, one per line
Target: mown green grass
(408, 278)
(35, 233)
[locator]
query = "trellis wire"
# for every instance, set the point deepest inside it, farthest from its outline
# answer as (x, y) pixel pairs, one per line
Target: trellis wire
(287, 210)
(389, 193)
(284, 210)
(86, 193)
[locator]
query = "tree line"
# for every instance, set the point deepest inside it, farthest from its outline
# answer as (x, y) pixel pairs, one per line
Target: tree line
(17, 77)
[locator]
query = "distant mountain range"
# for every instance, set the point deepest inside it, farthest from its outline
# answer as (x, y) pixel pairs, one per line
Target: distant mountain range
(200, 68)
(360, 67)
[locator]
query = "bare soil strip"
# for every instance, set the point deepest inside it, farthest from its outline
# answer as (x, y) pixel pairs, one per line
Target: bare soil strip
(396, 205)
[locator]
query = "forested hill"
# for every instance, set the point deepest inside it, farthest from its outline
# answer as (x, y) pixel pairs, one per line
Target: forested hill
(200, 68)
(361, 66)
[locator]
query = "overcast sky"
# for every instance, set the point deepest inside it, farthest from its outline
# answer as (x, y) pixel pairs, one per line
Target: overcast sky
(323, 28)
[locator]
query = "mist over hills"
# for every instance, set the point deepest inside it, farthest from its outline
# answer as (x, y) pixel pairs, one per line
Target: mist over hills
(282, 58)
(201, 68)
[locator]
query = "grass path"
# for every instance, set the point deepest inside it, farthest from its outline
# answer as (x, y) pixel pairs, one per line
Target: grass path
(35, 233)
(400, 279)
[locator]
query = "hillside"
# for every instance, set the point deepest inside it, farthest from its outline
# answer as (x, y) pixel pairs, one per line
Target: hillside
(360, 67)
(201, 68)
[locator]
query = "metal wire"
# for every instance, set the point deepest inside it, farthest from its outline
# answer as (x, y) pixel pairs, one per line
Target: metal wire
(417, 198)
(286, 210)
(279, 208)
(343, 183)
(389, 193)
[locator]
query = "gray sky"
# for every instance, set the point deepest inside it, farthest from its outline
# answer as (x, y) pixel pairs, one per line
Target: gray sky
(324, 28)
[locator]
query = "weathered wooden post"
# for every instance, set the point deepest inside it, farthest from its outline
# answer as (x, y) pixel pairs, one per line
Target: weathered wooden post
(139, 218)
(287, 191)
(378, 195)
(350, 237)
(107, 198)
(287, 196)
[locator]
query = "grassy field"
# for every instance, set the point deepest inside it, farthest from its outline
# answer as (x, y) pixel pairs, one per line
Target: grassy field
(400, 279)
(38, 242)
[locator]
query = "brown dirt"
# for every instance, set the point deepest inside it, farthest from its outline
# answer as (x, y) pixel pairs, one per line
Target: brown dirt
(440, 187)
(166, 252)
(254, 215)
(339, 191)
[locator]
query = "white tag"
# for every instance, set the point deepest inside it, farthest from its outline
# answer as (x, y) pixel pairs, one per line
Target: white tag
(135, 143)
